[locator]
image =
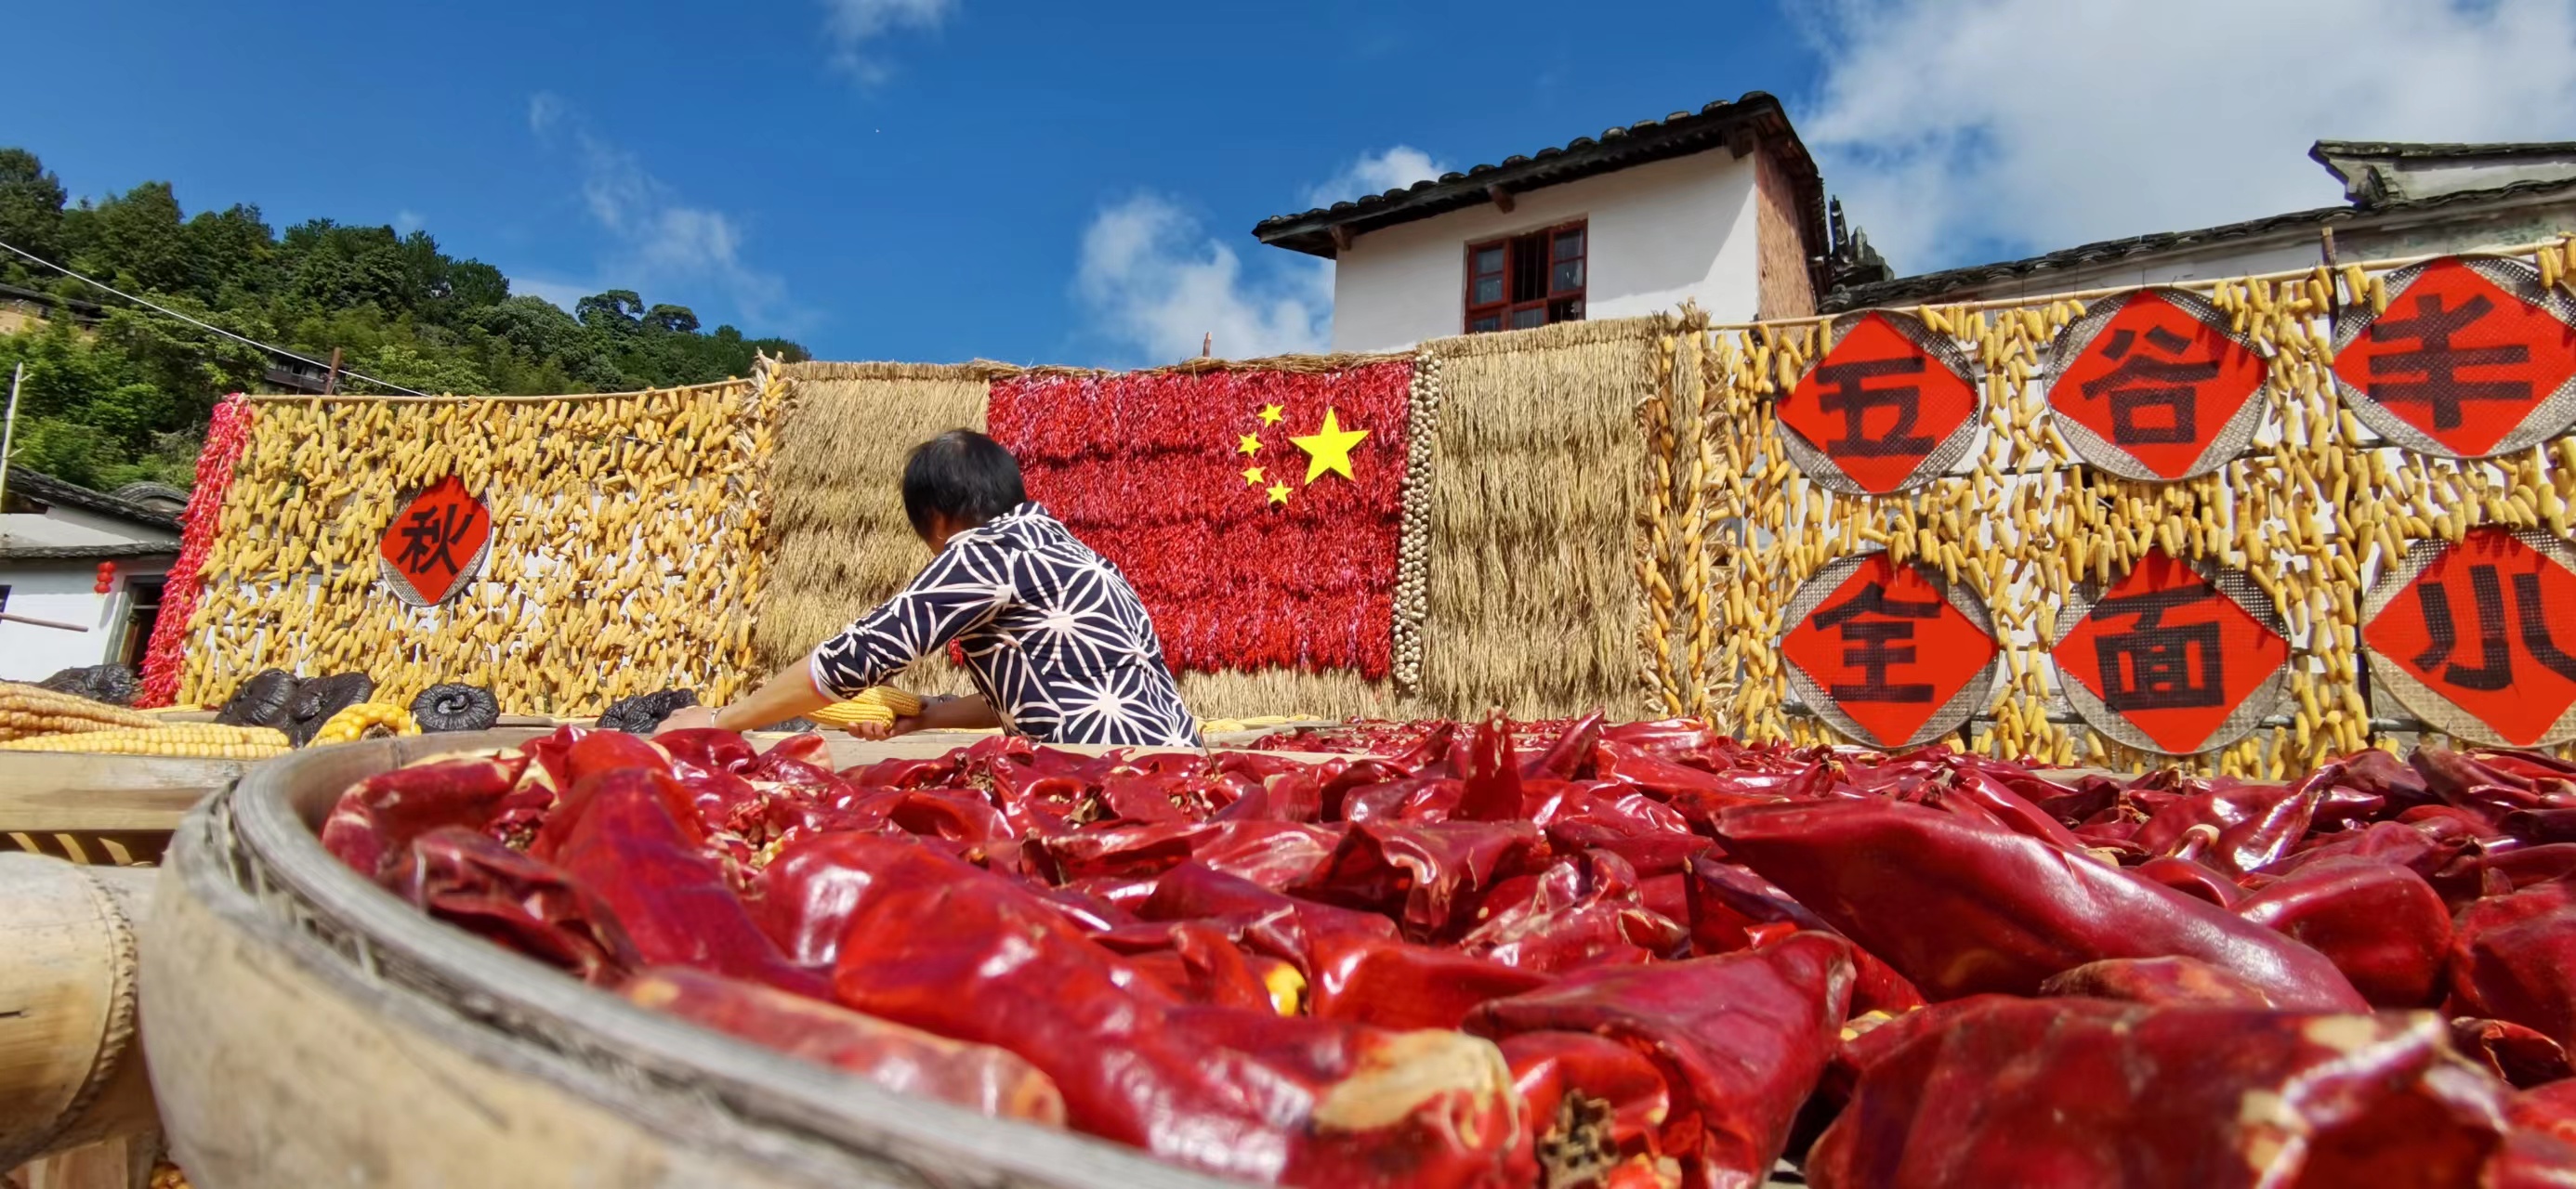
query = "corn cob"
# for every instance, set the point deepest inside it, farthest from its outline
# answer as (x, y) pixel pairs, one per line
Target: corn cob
(196, 740)
(27, 710)
(878, 704)
(367, 720)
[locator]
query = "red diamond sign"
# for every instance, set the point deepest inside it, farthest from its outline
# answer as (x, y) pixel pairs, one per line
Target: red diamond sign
(1890, 655)
(2154, 386)
(2472, 358)
(436, 544)
(1889, 407)
(2172, 658)
(2475, 638)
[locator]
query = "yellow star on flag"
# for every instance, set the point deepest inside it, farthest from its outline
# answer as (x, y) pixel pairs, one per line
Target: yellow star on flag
(1270, 414)
(1329, 448)
(1252, 476)
(1278, 493)
(1251, 444)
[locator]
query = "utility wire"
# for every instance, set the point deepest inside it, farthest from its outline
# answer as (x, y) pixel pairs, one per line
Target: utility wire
(205, 325)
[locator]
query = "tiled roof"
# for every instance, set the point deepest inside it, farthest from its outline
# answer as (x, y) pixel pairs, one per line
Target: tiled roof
(44, 488)
(1908, 290)
(1756, 117)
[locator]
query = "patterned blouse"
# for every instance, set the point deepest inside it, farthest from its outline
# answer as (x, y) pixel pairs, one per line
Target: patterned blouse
(1053, 637)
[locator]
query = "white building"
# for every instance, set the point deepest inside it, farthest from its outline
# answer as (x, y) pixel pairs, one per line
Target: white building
(1722, 206)
(54, 536)
(2403, 200)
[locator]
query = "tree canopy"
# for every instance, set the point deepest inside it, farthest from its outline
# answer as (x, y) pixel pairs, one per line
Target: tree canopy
(115, 393)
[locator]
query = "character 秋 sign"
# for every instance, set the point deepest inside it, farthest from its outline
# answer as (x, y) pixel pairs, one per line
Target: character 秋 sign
(436, 545)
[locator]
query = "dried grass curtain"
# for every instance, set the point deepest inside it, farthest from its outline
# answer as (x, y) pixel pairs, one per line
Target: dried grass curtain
(843, 545)
(1532, 602)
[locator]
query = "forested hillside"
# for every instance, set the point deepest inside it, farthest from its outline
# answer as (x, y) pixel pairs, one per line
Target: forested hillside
(115, 393)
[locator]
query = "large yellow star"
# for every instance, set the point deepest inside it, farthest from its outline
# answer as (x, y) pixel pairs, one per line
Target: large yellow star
(1270, 414)
(1329, 448)
(1278, 493)
(1250, 444)
(1252, 476)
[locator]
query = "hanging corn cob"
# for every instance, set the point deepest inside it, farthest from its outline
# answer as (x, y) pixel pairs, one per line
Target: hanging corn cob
(367, 720)
(880, 704)
(194, 740)
(26, 710)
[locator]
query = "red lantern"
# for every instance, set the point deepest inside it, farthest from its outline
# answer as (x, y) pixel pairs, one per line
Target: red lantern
(106, 577)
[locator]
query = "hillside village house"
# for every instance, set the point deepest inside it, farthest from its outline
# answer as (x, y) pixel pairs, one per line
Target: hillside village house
(1722, 206)
(2402, 200)
(54, 539)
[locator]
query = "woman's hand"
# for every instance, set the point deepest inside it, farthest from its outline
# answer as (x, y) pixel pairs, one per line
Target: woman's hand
(687, 718)
(879, 732)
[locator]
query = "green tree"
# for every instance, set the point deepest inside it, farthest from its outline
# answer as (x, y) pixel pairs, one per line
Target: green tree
(31, 209)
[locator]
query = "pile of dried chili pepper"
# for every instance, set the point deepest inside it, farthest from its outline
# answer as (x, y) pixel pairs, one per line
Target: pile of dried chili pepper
(1576, 953)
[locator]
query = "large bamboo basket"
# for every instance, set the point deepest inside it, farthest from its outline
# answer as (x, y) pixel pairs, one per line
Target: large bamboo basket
(307, 1028)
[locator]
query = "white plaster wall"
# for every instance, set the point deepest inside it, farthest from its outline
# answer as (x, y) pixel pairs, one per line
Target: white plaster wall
(1657, 234)
(60, 592)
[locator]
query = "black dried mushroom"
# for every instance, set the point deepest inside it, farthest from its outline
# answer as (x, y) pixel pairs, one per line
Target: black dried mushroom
(115, 685)
(317, 700)
(263, 700)
(443, 708)
(638, 715)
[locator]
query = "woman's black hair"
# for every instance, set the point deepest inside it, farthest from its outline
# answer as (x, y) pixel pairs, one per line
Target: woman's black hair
(962, 475)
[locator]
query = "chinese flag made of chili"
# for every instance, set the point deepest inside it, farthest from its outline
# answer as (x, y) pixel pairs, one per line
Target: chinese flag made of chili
(1258, 514)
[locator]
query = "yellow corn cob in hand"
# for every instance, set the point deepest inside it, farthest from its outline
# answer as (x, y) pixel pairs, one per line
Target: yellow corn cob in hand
(27, 710)
(366, 720)
(877, 704)
(195, 740)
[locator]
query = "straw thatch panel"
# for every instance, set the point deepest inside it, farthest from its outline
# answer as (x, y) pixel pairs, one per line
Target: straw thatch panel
(1532, 604)
(843, 545)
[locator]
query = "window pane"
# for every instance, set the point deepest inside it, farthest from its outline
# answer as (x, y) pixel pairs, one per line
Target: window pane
(1489, 290)
(1569, 244)
(1568, 278)
(1533, 316)
(1565, 309)
(1529, 267)
(1489, 261)
(1488, 322)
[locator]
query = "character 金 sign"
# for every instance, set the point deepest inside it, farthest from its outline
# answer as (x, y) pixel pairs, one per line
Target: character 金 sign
(1887, 408)
(2154, 386)
(1890, 655)
(436, 544)
(2479, 638)
(2471, 359)
(2173, 658)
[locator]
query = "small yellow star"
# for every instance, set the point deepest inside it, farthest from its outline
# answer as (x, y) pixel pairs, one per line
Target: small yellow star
(1251, 445)
(1278, 493)
(1252, 476)
(1270, 414)
(1329, 448)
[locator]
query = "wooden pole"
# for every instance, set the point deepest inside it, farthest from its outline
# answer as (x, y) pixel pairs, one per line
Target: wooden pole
(331, 383)
(9, 430)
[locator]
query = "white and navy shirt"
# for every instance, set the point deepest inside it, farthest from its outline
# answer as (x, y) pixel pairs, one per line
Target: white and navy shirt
(1053, 636)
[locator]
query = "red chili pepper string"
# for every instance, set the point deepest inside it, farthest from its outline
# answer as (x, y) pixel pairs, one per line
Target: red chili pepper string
(227, 436)
(1148, 470)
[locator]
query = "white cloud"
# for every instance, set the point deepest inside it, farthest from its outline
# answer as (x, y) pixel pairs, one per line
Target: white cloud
(563, 294)
(407, 221)
(1156, 281)
(1376, 173)
(853, 24)
(659, 240)
(1963, 130)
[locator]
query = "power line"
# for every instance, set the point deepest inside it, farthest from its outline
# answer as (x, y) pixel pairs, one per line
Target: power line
(203, 324)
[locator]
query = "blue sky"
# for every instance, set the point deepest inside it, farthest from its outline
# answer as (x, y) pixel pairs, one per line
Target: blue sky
(944, 179)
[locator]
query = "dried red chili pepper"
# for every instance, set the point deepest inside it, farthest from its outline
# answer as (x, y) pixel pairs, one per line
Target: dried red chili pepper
(1580, 912)
(1264, 921)
(1588, 1103)
(374, 822)
(1958, 906)
(2517, 1054)
(1421, 874)
(468, 880)
(2158, 982)
(1739, 1039)
(1398, 985)
(2524, 971)
(2379, 923)
(2091, 1093)
(990, 1081)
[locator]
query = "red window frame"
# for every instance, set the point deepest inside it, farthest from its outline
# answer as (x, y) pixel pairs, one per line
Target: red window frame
(1540, 281)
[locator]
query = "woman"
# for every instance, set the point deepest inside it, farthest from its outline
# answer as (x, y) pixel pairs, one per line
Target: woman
(1056, 643)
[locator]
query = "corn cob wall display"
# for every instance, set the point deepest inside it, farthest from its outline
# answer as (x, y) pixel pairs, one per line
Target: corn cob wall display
(2247, 486)
(629, 545)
